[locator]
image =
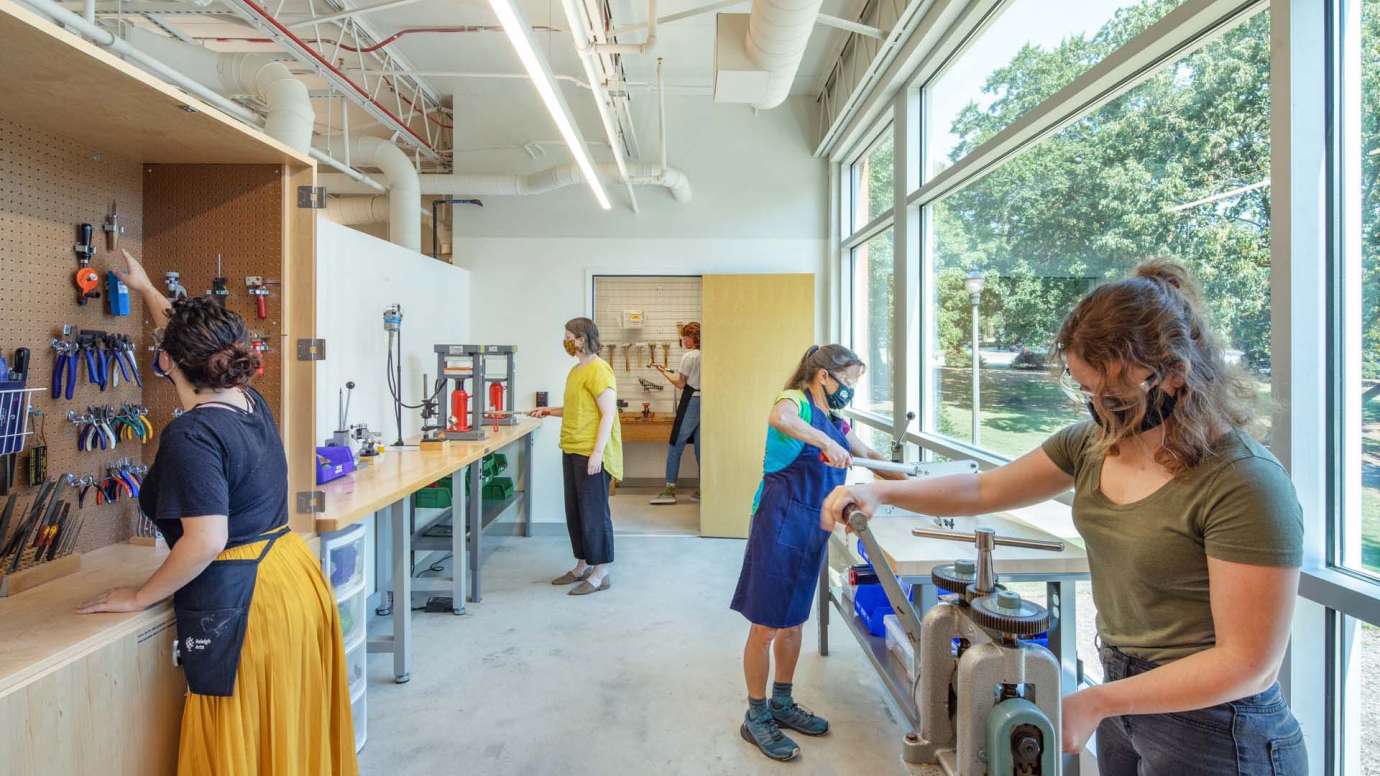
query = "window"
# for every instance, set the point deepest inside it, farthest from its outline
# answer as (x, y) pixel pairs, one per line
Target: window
(1359, 681)
(1176, 167)
(872, 179)
(1360, 526)
(874, 282)
(1044, 44)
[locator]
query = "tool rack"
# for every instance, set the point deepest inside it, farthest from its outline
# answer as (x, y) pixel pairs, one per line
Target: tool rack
(190, 183)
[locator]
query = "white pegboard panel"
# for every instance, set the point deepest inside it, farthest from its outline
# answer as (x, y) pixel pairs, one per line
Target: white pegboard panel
(49, 185)
(665, 301)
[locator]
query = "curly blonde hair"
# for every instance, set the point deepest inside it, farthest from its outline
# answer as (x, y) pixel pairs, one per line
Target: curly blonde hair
(1155, 320)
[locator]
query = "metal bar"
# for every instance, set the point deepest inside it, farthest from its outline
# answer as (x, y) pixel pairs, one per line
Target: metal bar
(1344, 591)
(460, 565)
(402, 590)
(825, 593)
(475, 509)
(843, 24)
(905, 613)
(1001, 541)
(528, 447)
(346, 14)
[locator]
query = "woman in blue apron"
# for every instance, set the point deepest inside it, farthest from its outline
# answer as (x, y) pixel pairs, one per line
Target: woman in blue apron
(258, 632)
(807, 456)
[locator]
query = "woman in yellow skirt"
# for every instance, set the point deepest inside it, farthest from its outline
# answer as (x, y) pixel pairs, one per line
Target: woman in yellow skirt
(257, 626)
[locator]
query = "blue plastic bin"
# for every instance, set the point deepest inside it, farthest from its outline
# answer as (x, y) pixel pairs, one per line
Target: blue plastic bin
(871, 606)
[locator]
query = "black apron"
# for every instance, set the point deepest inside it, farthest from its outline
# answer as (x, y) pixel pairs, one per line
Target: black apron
(212, 614)
(681, 409)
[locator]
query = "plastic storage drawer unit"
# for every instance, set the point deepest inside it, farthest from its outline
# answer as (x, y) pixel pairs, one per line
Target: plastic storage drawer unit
(342, 558)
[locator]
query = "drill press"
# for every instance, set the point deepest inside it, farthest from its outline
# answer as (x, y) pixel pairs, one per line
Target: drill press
(991, 705)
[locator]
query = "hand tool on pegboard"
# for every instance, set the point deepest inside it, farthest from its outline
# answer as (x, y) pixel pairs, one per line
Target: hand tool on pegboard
(173, 282)
(219, 290)
(258, 341)
(125, 357)
(65, 364)
(6, 516)
(19, 541)
(113, 228)
(87, 279)
(38, 451)
(258, 288)
(91, 346)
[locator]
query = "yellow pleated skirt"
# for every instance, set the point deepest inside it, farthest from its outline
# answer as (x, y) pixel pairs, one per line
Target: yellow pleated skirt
(290, 713)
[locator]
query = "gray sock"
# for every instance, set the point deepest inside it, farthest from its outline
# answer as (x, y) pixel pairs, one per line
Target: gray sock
(757, 708)
(781, 694)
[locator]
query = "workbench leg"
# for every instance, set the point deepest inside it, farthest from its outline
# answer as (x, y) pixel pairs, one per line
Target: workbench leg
(824, 606)
(1063, 642)
(475, 507)
(526, 474)
(402, 590)
(459, 558)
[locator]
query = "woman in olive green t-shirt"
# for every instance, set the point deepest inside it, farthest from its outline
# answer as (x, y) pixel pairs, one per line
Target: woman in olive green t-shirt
(1193, 530)
(591, 456)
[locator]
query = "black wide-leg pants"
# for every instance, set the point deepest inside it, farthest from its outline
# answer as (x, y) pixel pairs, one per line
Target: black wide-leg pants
(587, 510)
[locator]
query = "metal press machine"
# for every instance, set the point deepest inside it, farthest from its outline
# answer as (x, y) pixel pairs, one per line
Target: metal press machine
(475, 398)
(989, 702)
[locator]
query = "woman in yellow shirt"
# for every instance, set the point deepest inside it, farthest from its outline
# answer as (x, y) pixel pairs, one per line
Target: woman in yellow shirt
(592, 453)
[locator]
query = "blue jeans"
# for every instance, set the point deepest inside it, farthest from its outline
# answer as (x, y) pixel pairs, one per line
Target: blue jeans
(689, 425)
(1253, 736)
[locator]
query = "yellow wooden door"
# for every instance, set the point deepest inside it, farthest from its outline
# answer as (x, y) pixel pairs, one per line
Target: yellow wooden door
(755, 329)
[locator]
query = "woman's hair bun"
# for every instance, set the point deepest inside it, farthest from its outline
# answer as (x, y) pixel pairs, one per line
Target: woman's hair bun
(232, 367)
(1171, 274)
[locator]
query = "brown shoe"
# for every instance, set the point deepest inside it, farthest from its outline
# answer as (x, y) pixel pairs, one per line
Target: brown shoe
(585, 588)
(569, 578)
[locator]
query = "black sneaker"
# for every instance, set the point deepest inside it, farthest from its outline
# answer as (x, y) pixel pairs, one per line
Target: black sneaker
(768, 737)
(799, 718)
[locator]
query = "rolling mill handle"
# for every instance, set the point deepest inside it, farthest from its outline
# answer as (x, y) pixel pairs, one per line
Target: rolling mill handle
(905, 611)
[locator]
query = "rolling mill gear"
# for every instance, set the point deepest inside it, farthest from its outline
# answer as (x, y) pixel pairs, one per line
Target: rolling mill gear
(992, 706)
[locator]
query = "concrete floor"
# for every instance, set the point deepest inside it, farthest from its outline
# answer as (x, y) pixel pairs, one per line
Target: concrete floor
(633, 515)
(642, 679)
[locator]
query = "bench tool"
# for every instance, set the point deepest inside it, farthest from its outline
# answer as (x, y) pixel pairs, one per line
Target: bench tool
(991, 707)
(86, 279)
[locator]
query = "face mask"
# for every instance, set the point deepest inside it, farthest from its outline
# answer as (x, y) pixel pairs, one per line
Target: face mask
(840, 397)
(571, 347)
(1159, 406)
(158, 367)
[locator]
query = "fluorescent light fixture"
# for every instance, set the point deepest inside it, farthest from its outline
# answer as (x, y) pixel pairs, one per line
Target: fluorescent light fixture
(519, 34)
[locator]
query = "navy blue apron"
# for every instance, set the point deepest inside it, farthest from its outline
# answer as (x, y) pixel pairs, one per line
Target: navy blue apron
(786, 546)
(212, 614)
(681, 408)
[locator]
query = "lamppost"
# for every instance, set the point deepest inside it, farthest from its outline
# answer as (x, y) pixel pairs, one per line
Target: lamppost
(974, 282)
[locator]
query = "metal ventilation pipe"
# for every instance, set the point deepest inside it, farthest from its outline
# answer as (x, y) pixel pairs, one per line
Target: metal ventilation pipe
(290, 115)
(676, 183)
(778, 31)
(404, 187)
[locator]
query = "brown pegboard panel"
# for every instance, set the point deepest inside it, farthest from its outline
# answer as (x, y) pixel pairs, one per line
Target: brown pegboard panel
(48, 185)
(194, 212)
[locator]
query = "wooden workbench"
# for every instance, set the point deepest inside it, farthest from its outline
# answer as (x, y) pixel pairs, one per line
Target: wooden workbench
(386, 484)
(106, 678)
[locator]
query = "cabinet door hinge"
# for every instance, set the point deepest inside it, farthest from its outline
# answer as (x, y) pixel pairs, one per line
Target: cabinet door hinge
(311, 350)
(313, 197)
(311, 502)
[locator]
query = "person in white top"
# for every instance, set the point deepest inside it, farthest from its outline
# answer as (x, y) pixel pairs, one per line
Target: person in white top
(687, 425)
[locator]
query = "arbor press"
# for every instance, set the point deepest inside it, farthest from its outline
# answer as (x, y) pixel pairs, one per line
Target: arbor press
(989, 703)
(463, 367)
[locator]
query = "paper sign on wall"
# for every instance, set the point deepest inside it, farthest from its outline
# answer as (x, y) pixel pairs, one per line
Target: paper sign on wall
(632, 319)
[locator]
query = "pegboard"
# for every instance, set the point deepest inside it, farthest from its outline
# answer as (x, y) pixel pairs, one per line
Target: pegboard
(48, 185)
(194, 212)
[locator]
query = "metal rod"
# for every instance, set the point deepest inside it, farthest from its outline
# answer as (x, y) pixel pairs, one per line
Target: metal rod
(351, 12)
(908, 469)
(977, 377)
(1000, 541)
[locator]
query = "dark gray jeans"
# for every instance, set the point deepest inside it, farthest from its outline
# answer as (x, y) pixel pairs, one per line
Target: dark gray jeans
(1254, 736)
(587, 510)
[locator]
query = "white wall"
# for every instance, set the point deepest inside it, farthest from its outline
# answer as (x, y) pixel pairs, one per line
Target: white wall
(759, 207)
(356, 277)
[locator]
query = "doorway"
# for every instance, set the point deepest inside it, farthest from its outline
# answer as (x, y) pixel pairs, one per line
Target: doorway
(640, 319)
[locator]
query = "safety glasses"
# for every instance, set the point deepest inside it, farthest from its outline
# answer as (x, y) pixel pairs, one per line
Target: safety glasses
(1076, 392)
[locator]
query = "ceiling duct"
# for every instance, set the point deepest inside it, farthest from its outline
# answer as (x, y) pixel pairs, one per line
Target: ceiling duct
(757, 55)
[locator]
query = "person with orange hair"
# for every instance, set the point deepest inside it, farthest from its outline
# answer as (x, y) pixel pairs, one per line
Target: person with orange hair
(1193, 530)
(687, 425)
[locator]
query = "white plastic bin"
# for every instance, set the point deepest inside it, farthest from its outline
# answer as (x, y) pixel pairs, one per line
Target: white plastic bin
(356, 666)
(352, 617)
(359, 712)
(343, 560)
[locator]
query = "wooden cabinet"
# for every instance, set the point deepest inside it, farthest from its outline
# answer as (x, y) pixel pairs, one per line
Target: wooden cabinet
(99, 694)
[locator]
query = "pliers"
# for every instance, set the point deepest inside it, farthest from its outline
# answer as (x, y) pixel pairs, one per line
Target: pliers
(131, 484)
(95, 373)
(124, 349)
(64, 368)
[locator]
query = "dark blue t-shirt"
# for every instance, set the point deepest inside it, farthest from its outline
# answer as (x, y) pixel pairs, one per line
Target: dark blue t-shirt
(219, 460)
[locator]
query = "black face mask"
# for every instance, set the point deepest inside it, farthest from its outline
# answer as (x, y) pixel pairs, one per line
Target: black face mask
(1159, 406)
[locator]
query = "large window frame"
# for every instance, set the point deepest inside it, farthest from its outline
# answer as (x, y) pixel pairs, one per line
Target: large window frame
(1312, 68)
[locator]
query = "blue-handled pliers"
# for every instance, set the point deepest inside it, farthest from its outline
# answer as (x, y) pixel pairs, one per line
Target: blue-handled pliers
(64, 368)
